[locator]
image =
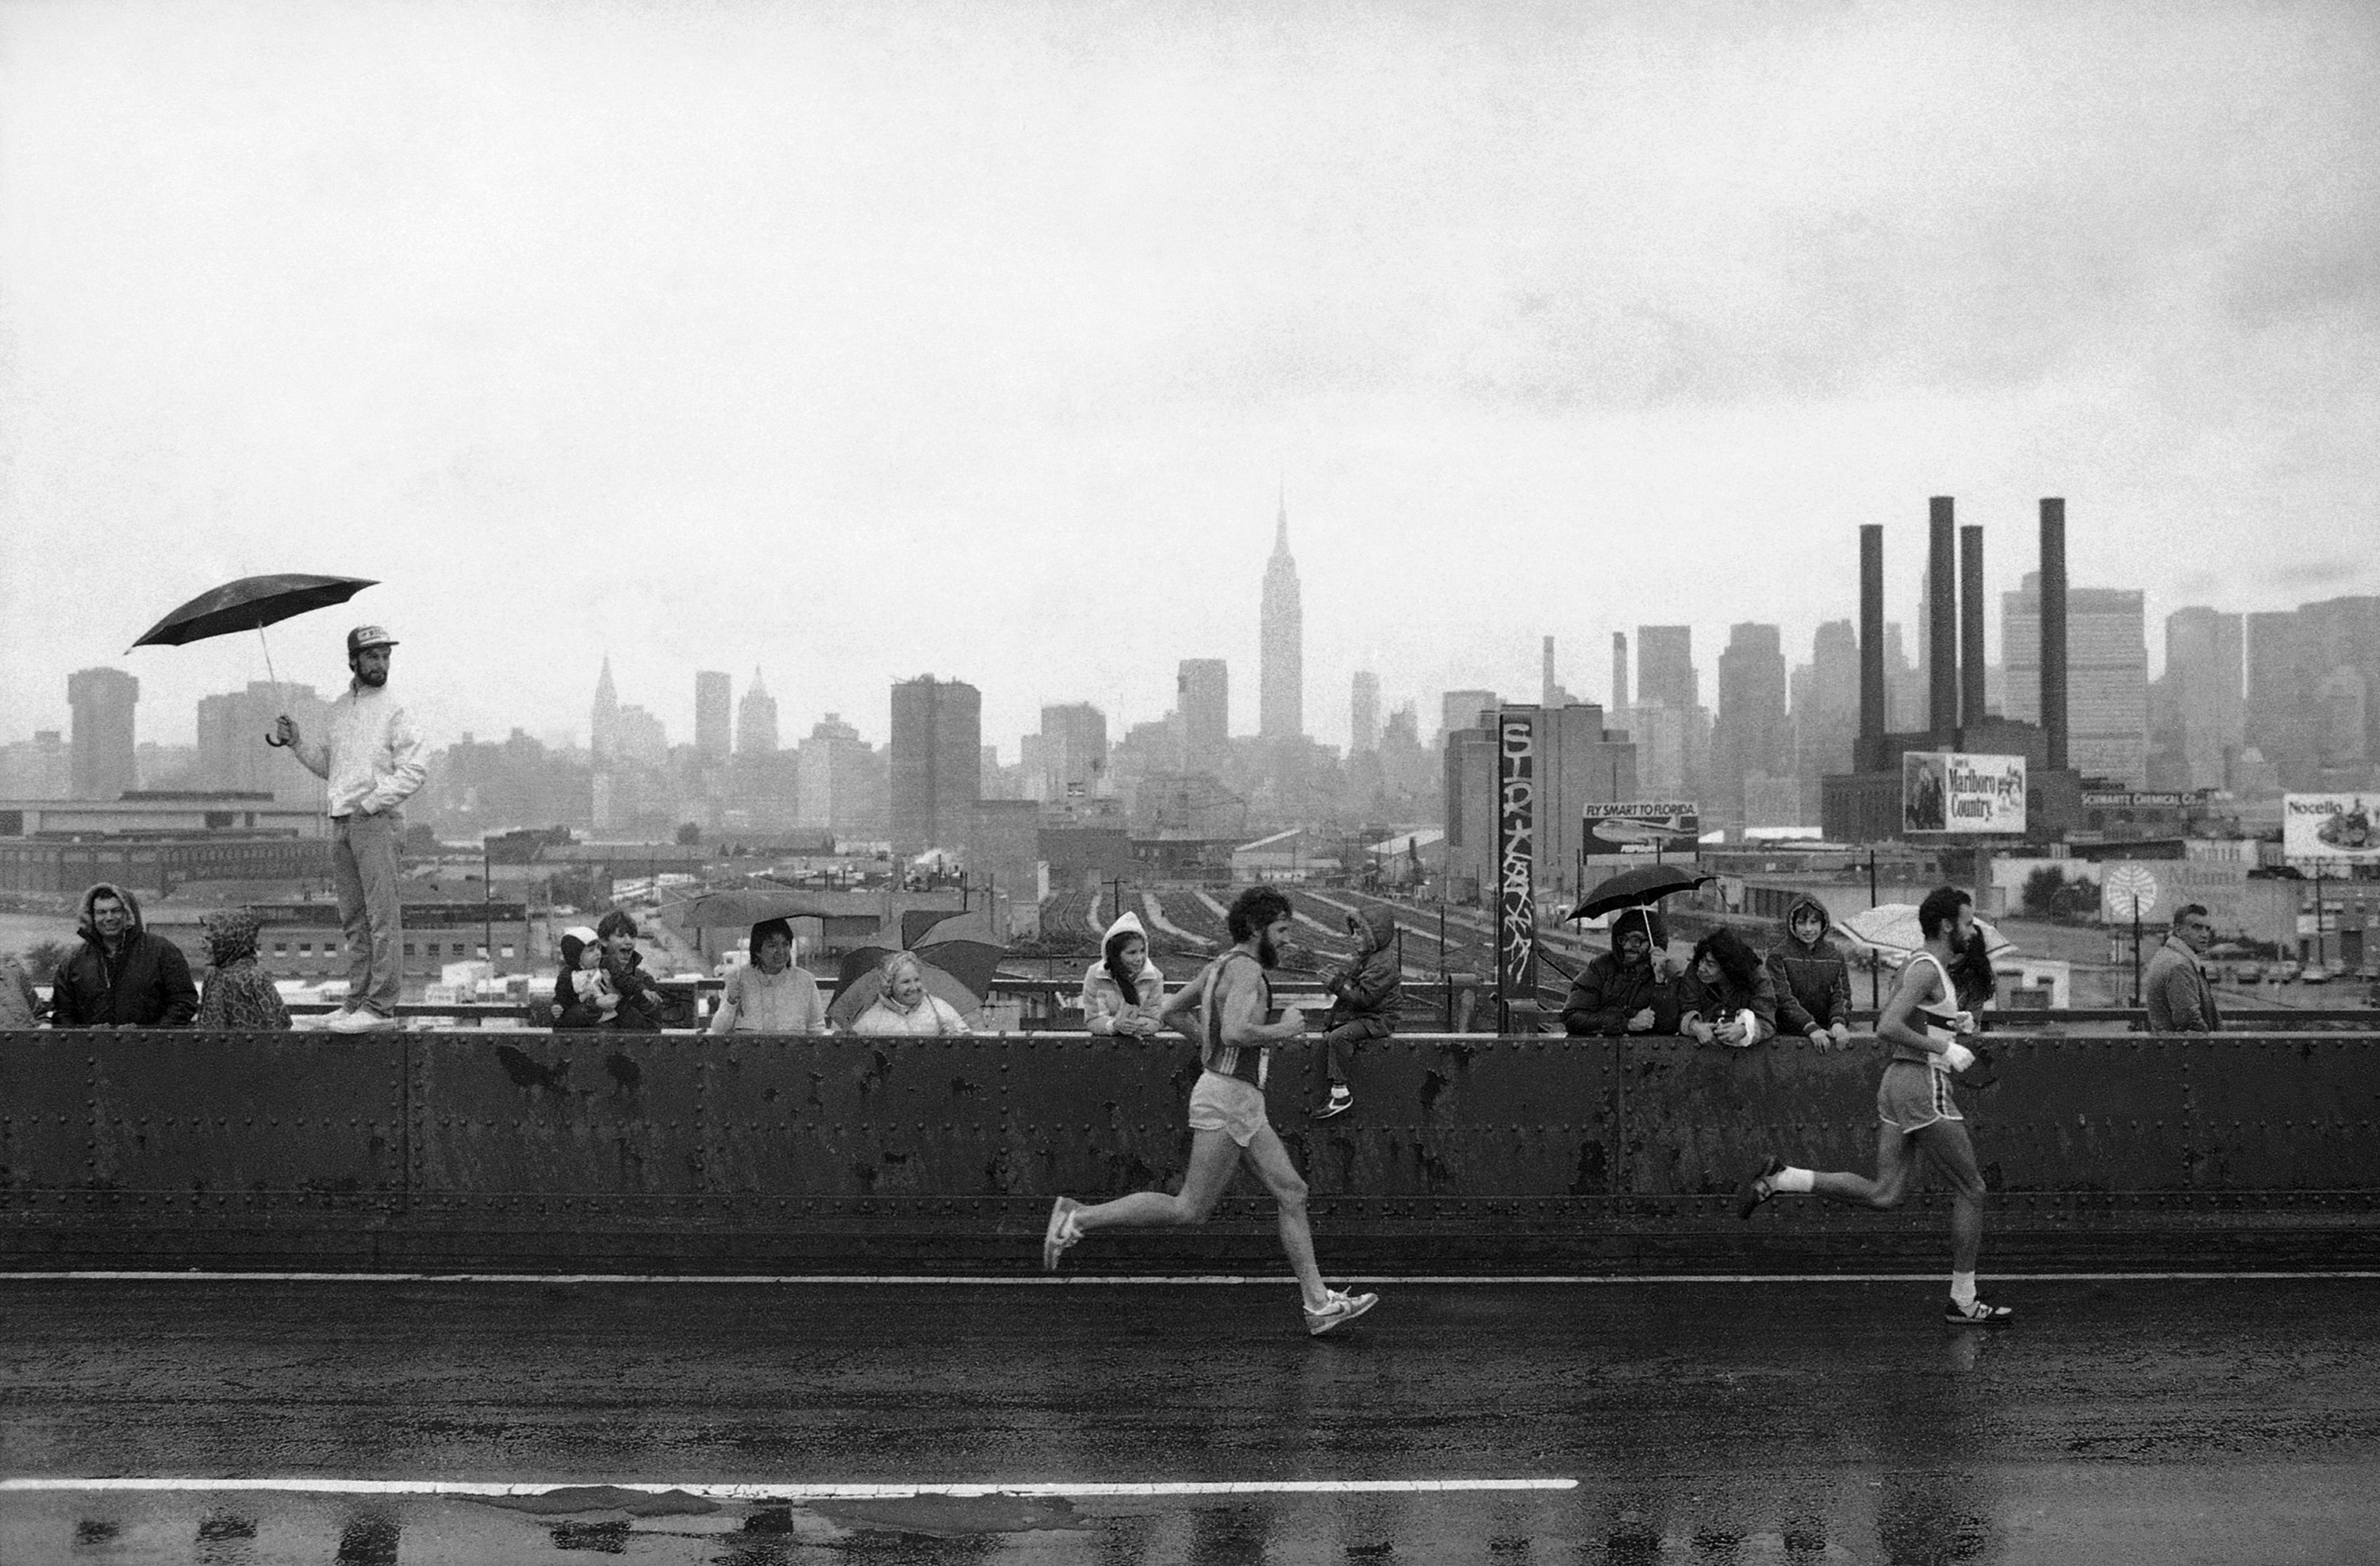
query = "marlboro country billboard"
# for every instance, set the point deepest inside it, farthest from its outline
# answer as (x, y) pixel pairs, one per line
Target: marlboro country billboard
(1950, 790)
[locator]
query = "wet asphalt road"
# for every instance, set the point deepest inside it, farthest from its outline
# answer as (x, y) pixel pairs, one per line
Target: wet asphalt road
(2219, 1421)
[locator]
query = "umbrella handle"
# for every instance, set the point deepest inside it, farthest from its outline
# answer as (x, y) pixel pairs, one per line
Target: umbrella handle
(271, 739)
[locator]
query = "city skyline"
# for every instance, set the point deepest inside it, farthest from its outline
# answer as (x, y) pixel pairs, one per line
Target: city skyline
(622, 339)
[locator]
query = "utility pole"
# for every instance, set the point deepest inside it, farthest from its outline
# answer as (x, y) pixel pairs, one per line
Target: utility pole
(487, 908)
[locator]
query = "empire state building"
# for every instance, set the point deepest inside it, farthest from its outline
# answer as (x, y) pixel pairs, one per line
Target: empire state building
(1281, 676)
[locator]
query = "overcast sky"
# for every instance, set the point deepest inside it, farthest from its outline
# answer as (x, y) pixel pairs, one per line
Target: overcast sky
(860, 341)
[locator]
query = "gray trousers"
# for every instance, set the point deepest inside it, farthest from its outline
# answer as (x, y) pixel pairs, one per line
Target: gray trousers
(363, 872)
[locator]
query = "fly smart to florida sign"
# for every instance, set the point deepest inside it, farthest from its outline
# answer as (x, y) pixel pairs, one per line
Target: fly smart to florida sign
(2336, 829)
(1950, 791)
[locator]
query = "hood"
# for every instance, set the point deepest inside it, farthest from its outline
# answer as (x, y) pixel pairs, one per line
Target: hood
(231, 935)
(1826, 920)
(1650, 920)
(1126, 923)
(575, 942)
(106, 889)
(1379, 927)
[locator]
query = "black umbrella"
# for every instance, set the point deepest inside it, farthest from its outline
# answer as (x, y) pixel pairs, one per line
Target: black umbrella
(250, 604)
(1636, 888)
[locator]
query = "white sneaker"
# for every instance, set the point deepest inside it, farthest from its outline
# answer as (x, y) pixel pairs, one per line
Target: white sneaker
(1339, 1308)
(363, 1019)
(1062, 1235)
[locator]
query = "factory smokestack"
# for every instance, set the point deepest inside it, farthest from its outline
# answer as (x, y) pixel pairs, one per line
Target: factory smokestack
(2053, 632)
(1970, 627)
(1618, 670)
(1870, 757)
(1942, 620)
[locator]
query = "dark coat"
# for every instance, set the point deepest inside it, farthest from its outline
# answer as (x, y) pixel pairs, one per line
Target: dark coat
(1718, 1003)
(1814, 983)
(641, 1002)
(1606, 995)
(145, 984)
(1365, 988)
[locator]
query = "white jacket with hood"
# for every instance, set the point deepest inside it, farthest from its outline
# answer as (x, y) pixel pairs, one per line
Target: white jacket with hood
(1103, 999)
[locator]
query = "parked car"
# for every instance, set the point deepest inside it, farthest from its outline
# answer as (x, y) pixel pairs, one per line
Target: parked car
(2317, 974)
(2247, 972)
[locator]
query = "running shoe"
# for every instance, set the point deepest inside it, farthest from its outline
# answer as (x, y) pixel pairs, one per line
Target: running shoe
(1756, 1189)
(1339, 1308)
(1977, 1315)
(1342, 1100)
(1061, 1233)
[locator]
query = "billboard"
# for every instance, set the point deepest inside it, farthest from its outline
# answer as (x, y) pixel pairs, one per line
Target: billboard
(1642, 826)
(2321, 831)
(1516, 854)
(1950, 791)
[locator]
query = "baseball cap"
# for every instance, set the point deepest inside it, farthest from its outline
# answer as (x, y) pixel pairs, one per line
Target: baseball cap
(363, 636)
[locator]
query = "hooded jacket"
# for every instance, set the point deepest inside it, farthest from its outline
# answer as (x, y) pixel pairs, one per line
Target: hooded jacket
(1715, 1003)
(1813, 982)
(1366, 986)
(145, 984)
(1606, 995)
(1103, 999)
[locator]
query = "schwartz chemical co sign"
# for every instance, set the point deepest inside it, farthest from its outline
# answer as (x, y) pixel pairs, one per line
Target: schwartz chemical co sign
(1950, 791)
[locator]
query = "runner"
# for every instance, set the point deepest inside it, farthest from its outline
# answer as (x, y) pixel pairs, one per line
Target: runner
(1921, 1023)
(1231, 998)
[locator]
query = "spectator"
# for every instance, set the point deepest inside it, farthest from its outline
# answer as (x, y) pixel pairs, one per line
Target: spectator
(1812, 980)
(1364, 1004)
(371, 756)
(1724, 981)
(2179, 998)
(903, 1007)
(769, 994)
(238, 996)
(1971, 973)
(122, 976)
(582, 996)
(1625, 989)
(642, 1008)
(1124, 990)
(21, 1007)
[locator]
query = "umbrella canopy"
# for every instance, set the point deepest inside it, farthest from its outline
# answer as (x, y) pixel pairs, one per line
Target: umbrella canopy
(249, 604)
(1893, 930)
(952, 952)
(1636, 888)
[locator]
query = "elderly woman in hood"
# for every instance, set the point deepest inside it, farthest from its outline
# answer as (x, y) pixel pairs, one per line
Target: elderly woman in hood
(1122, 991)
(1626, 990)
(904, 1007)
(1812, 980)
(238, 996)
(1725, 996)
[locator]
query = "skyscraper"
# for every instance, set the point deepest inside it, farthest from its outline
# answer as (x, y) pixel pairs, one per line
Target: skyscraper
(937, 763)
(842, 780)
(1281, 674)
(2107, 675)
(1665, 666)
(2203, 663)
(232, 752)
(101, 744)
(1619, 698)
(603, 722)
(756, 721)
(1364, 713)
(1549, 691)
(715, 710)
(1203, 696)
(1750, 736)
(1073, 755)
(1460, 709)
(1826, 707)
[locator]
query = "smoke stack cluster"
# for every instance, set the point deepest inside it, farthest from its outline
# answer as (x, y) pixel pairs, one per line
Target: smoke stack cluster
(1871, 649)
(2053, 632)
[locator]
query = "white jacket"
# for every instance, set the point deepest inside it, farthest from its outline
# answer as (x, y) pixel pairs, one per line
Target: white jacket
(370, 755)
(930, 1018)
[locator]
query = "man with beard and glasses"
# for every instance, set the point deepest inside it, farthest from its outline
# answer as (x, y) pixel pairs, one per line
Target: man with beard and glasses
(1233, 999)
(371, 756)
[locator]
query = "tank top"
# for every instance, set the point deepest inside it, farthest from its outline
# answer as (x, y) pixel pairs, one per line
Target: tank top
(1248, 1063)
(1940, 1017)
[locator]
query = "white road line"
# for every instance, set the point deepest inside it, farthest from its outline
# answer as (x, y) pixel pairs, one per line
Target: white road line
(783, 1491)
(1158, 1279)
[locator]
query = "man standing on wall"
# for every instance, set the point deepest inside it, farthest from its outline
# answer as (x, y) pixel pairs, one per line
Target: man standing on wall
(371, 756)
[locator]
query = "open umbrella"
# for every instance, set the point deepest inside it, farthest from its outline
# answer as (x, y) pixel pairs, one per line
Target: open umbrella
(250, 604)
(953, 951)
(1892, 932)
(1636, 888)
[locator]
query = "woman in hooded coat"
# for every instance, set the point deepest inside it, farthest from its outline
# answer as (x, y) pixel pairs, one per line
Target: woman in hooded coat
(904, 1007)
(1122, 991)
(1724, 981)
(238, 997)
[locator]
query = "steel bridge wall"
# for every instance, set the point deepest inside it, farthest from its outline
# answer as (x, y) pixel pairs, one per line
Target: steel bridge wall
(540, 1152)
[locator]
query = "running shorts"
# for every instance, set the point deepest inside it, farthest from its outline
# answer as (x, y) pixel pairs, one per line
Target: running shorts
(1229, 1105)
(1912, 1096)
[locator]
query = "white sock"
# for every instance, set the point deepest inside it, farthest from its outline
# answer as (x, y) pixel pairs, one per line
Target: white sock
(1791, 1178)
(1963, 1289)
